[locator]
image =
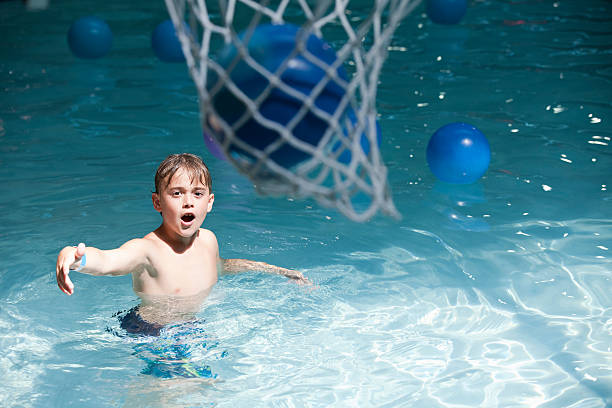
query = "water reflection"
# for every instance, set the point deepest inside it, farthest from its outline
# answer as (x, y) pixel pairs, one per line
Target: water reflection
(453, 201)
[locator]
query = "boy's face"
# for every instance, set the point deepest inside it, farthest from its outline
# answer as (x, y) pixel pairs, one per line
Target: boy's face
(183, 203)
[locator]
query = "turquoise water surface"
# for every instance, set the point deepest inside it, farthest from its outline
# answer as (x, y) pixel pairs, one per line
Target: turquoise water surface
(495, 294)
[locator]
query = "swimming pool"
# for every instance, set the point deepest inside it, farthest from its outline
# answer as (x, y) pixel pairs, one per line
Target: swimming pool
(494, 294)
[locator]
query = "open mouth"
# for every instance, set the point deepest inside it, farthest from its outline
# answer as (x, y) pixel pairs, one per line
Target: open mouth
(188, 217)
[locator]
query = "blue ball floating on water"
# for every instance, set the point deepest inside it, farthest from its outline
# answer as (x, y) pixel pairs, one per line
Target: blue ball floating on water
(166, 44)
(446, 11)
(90, 37)
(458, 153)
(270, 45)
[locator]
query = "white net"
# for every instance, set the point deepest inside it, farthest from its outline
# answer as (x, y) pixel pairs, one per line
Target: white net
(287, 88)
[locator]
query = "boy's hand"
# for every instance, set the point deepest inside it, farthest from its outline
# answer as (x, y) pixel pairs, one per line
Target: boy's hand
(297, 277)
(68, 258)
(228, 266)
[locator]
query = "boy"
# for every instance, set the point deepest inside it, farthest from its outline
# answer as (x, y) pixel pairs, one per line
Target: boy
(174, 267)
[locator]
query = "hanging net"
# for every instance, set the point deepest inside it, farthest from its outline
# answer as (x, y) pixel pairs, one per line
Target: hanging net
(287, 91)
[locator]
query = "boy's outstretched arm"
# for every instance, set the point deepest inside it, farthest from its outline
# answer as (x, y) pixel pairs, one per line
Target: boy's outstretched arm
(231, 266)
(94, 261)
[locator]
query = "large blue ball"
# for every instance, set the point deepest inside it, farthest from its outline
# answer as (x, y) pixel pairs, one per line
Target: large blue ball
(458, 153)
(90, 37)
(446, 11)
(270, 45)
(166, 44)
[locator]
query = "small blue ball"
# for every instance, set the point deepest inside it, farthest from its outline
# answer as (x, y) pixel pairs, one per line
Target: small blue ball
(446, 11)
(166, 44)
(458, 153)
(90, 37)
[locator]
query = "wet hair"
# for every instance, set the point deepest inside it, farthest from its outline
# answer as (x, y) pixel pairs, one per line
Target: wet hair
(190, 163)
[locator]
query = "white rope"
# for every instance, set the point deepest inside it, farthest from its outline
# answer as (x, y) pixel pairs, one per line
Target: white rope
(322, 175)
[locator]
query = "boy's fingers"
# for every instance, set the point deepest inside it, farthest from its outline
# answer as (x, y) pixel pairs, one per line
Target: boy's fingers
(65, 259)
(60, 282)
(67, 286)
(63, 288)
(300, 279)
(59, 277)
(63, 280)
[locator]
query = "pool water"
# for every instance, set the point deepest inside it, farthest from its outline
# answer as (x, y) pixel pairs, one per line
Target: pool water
(496, 294)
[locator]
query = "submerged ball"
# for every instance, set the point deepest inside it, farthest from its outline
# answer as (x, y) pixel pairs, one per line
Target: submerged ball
(213, 147)
(90, 37)
(166, 44)
(446, 11)
(458, 153)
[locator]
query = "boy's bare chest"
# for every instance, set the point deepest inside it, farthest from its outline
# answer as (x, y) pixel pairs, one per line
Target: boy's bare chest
(180, 274)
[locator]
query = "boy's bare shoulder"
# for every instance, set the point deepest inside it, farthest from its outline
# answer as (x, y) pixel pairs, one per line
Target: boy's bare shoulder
(144, 245)
(207, 236)
(208, 240)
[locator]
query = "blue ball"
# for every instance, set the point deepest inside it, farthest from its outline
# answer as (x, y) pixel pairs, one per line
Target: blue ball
(458, 153)
(446, 11)
(270, 45)
(90, 37)
(166, 44)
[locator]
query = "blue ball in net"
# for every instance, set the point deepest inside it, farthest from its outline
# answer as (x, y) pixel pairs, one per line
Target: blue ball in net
(446, 11)
(458, 153)
(270, 45)
(90, 37)
(166, 44)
